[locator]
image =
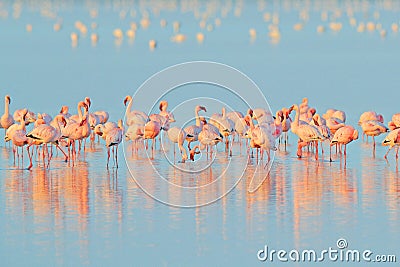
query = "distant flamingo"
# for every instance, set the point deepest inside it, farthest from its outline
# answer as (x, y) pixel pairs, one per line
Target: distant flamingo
(29, 117)
(164, 111)
(306, 133)
(343, 136)
(392, 140)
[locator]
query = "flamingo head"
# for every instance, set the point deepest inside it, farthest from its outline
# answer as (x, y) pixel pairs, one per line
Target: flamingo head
(305, 100)
(88, 101)
(198, 108)
(120, 124)
(127, 99)
(163, 105)
(8, 98)
(64, 110)
(312, 111)
(99, 129)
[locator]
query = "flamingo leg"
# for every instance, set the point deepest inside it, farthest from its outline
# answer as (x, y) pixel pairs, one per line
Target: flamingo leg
(116, 156)
(108, 156)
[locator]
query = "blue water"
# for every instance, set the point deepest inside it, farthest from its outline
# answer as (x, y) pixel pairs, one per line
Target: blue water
(86, 215)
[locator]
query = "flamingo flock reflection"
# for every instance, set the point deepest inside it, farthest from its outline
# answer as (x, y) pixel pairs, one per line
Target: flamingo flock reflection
(257, 129)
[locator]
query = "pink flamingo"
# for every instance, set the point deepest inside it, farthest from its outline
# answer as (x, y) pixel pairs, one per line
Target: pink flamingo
(64, 111)
(395, 122)
(49, 134)
(192, 131)
(6, 120)
(306, 133)
(178, 136)
(343, 136)
(134, 116)
(19, 139)
(373, 128)
(209, 136)
(151, 131)
(113, 139)
(287, 121)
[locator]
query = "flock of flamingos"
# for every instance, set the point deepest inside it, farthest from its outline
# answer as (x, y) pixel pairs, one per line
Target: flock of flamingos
(258, 128)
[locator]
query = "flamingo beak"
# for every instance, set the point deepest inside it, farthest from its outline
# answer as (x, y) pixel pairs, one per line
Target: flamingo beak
(64, 121)
(89, 101)
(9, 100)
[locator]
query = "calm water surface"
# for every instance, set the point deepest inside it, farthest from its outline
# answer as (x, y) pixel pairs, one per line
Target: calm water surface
(88, 215)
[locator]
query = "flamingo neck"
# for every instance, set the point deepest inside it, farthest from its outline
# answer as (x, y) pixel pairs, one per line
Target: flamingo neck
(80, 111)
(6, 106)
(297, 117)
(129, 106)
(196, 112)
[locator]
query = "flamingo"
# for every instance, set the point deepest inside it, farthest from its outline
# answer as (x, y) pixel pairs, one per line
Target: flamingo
(341, 115)
(49, 134)
(134, 116)
(320, 124)
(224, 125)
(395, 122)
(306, 133)
(164, 111)
(391, 140)
(77, 130)
(261, 115)
(209, 136)
(113, 139)
(328, 114)
(151, 131)
(18, 138)
(134, 133)
(192, 131)
(262, 136)
(334, 124)
(178, 136)
(29, 116)
(343, 136)
(287, 121)
(6, 120)
(373, 128)
(369, 116)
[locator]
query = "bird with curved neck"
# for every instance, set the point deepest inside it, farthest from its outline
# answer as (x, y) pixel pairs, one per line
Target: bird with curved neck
(6, 120)
(193, 131)
(306, 133)
(178, 136)
(133, 116)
